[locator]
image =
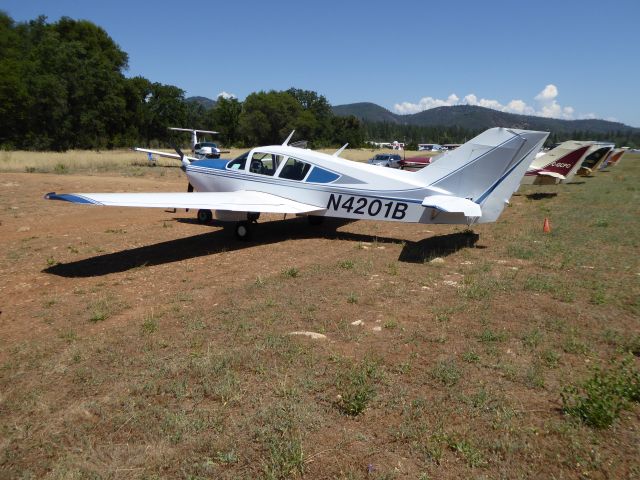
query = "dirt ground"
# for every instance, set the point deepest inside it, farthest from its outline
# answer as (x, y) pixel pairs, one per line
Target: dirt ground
(137, 343)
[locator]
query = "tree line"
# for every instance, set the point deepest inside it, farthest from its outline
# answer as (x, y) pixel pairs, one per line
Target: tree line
(412, 135)
(63, 86)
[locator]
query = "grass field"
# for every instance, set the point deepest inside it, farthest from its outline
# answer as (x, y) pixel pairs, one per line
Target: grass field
(138, 344)
(122, 161)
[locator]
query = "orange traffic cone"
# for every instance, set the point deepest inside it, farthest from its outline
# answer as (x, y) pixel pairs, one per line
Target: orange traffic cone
(546, 228)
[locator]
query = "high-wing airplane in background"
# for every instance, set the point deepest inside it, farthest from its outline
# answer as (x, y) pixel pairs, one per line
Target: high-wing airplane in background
(560, 163)
(472, 186)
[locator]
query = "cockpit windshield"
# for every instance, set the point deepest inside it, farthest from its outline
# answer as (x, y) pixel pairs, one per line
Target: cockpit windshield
(239, 162)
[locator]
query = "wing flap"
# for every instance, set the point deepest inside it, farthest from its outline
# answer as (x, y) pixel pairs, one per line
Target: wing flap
(240, 201)
(446, 203)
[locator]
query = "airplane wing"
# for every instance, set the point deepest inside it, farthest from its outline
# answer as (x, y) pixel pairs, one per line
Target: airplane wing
(159, 153)
(163, 154)
(240, 201)
(451, 204)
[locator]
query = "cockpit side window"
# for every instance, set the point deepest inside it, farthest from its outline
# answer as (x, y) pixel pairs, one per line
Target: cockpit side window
(264, 163)
(294, 169)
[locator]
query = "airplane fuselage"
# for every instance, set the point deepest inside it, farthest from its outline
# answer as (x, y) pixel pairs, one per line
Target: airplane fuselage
(352, 190)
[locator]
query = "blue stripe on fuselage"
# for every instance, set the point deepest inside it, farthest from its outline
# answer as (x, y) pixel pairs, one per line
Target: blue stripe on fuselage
(215, 163)
(233, 174)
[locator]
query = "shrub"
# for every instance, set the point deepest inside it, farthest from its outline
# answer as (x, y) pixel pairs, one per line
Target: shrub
(599, 400)
(448, 372)
(292, 272)
(356, 387)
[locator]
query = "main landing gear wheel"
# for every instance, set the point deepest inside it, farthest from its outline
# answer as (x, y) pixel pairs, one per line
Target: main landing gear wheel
(315, 220)
(204, 216)
(243, 230)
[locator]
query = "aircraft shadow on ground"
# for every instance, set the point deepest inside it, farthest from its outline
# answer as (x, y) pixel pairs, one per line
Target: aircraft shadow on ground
(540, 195)
(223, 240)
(437, 246)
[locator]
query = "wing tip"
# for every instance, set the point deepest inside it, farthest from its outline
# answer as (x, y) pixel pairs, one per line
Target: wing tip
(69, 197)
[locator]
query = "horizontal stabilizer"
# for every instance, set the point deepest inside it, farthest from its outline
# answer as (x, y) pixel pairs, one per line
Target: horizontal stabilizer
(450, 204)
(192, 130)
(551, 174)
(240, 201)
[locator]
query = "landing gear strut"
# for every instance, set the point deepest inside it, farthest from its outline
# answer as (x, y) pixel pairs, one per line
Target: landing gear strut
(204, 216)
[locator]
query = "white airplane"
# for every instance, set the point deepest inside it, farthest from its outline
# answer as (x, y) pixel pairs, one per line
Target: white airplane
(199, 148)
(473, 186)
(560, 163)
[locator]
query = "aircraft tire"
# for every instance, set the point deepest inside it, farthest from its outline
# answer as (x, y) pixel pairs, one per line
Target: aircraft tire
(204, 216)
(243, 230)
(315, 220)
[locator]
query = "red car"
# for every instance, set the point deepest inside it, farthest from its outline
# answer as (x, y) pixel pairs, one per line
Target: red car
(415, 162)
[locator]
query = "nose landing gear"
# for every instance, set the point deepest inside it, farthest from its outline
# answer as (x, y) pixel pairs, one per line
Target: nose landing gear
(204, 216)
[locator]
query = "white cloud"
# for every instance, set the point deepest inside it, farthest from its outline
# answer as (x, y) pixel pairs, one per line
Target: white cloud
(545, 104)
(425, 103)
(226, 95)
(549, 93)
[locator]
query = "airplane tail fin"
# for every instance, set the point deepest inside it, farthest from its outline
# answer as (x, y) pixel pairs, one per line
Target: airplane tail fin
(562, 164)
(487, 169)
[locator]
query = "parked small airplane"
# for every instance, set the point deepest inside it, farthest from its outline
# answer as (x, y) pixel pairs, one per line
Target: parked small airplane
(613, 158)
(560, 163)
(473, 186)
(594, 159)
(201, 149)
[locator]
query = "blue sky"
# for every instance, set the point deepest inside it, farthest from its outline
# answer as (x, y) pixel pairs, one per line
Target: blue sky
(562, 58)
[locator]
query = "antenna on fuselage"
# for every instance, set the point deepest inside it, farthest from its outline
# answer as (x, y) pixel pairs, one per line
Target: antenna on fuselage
(286, 142)
(340, 150)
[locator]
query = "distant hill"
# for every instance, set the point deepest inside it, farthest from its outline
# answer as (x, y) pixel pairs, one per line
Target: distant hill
(369, 112)
(477, 118)
(204, 101)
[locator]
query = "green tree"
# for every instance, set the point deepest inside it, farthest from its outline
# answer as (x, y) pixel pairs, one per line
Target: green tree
(268, 117)
(225, 118)
(315, 123)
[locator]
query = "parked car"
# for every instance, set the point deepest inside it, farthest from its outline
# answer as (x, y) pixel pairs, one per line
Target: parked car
(415, 162)
(386, 160)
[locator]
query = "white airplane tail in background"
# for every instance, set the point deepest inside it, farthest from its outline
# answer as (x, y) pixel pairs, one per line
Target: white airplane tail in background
(487, 169)
(194, 134)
